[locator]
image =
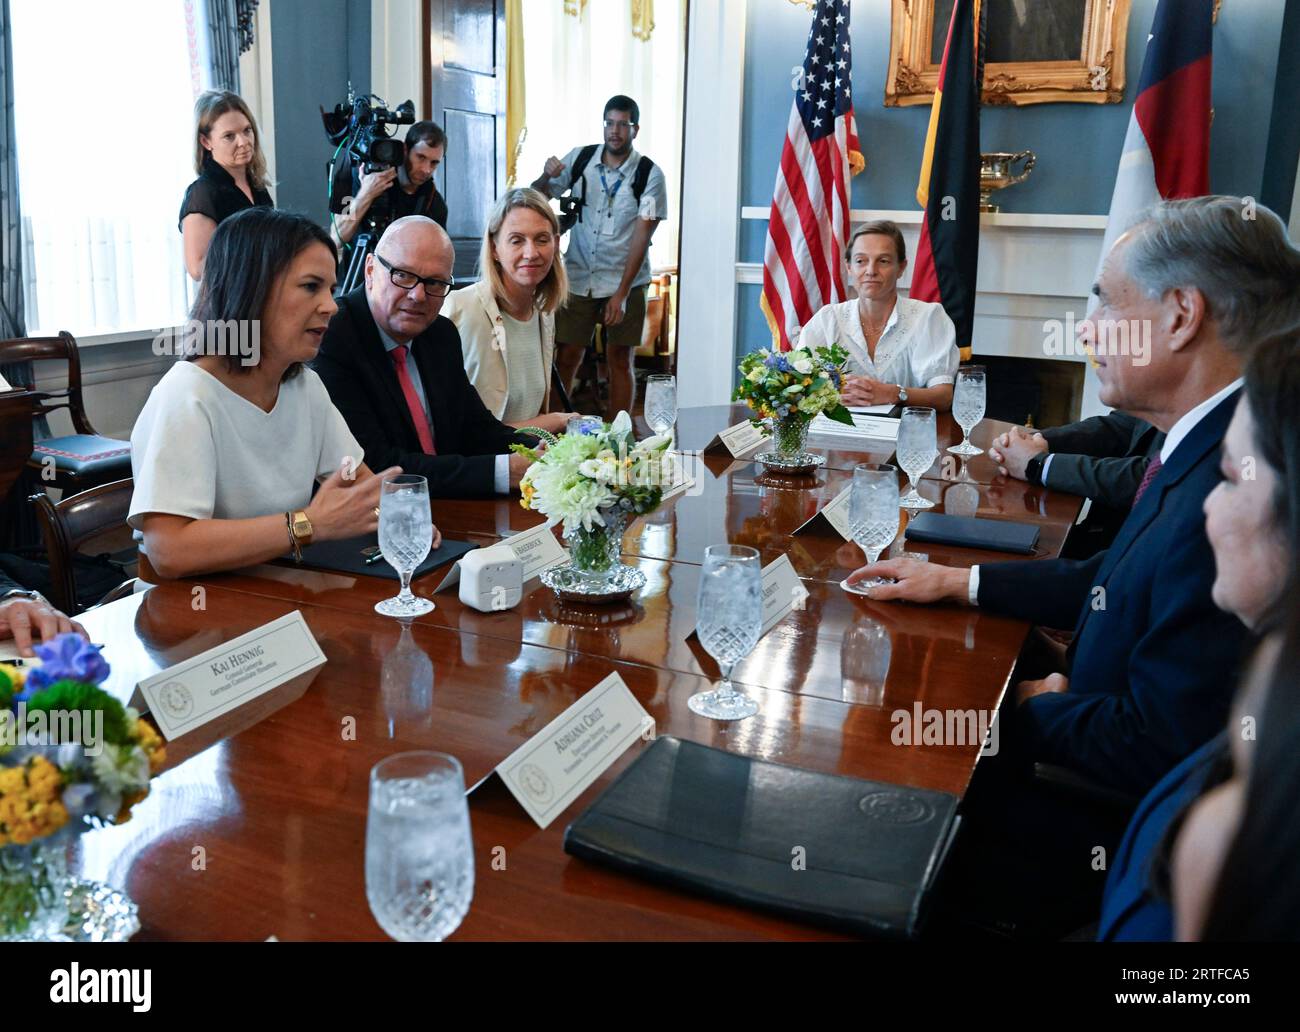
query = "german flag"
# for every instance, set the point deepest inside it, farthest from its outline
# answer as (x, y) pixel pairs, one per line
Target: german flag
(947, 254)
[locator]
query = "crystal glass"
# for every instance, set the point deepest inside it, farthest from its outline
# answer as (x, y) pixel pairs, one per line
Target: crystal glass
(873, 515)
(405, 537)
(661, 402)
(419, 851)
(968, 400)
(729, 621)
(917, 449)
(581, 424)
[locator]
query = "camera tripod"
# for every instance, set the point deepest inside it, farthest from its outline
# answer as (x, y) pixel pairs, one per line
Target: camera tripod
(362, 245)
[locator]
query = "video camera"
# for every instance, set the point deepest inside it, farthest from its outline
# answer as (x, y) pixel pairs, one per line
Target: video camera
(358, 128)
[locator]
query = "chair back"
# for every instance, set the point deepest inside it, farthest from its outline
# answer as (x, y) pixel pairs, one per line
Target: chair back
(68, 524)
(62, 348)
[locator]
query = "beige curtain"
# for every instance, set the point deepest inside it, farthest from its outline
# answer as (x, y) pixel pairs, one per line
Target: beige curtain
(643, 18)
(516, 107)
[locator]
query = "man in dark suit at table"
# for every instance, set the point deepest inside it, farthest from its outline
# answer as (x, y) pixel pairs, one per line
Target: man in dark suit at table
(393, 368)
(1153, 663)
(1102, 458)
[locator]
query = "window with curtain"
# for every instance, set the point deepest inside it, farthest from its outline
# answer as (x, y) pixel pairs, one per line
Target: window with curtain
(103, 118)
(572, 65)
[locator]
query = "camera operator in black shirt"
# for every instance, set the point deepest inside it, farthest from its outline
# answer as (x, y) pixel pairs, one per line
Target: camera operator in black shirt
(406, 190)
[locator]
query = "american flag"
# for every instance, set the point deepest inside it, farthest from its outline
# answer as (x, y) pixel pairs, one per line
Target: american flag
(803, 266)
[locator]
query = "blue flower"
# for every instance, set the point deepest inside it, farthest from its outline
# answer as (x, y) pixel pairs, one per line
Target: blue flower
(69, 657)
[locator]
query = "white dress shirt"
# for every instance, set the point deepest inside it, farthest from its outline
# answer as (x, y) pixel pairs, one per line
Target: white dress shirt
(501, 470)
(917, 347)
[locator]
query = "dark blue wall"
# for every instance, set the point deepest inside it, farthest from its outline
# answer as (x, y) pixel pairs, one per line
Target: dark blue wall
(1078, 145)
(317, 46)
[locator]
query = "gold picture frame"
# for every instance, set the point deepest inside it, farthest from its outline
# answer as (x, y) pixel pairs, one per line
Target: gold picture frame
(1097, 77)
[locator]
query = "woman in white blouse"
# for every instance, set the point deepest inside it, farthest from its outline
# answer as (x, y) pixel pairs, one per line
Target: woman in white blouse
(506, 320)
(900, 350)
(231, 441)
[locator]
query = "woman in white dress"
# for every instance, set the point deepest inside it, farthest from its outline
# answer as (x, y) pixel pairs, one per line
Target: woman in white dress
(506, 320)
(228, 447)
(900, 350)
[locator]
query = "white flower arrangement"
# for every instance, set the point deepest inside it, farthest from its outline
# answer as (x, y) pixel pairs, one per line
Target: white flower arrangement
(579, 476)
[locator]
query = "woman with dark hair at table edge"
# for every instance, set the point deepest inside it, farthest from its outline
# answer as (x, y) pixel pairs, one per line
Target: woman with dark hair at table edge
(230, 443)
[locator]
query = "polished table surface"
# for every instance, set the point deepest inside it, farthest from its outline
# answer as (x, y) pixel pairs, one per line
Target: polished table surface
(270, 803)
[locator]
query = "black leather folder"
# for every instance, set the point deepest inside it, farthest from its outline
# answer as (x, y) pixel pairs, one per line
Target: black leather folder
(347, 556)
(740, 829)
(973, 532)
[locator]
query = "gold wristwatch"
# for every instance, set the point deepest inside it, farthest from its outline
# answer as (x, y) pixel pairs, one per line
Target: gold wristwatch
(299, 531)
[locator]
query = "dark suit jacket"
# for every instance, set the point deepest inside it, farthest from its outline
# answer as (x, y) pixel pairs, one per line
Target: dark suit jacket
(1102, 458)
(361, 382)
(1153, 664)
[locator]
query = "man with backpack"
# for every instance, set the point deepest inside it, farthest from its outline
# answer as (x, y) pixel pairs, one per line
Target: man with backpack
(616, 199)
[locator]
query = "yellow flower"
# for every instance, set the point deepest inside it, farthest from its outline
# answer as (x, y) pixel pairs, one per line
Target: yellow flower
(152, 744)
(17, 676)
(124, 814)
(30, 807)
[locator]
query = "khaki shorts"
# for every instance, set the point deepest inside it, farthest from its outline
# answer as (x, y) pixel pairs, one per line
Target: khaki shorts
(576, 321)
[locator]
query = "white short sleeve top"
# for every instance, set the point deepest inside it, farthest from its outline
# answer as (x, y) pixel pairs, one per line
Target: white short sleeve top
(198, 449)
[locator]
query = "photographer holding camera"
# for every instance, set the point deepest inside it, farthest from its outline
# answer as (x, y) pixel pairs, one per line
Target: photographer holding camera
(619, 197)
(407, 189)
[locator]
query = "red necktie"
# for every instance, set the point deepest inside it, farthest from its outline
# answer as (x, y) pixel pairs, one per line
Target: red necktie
(1153, 467)
(412, 399)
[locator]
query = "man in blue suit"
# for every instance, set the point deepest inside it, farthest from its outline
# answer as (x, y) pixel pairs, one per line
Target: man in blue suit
(1153, 663)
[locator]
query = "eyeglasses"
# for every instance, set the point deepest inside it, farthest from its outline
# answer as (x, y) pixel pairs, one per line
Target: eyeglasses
(615, 123)
(433, 287)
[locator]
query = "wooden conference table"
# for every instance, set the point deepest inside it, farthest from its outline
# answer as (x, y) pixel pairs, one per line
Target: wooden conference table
(257, 826)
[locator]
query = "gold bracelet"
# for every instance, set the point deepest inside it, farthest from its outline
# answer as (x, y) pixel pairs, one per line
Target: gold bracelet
(293, 541)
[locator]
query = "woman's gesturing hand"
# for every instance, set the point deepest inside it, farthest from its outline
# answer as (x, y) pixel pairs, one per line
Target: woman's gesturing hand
(347, 503)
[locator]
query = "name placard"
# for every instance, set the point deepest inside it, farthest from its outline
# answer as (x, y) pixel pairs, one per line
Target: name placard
(738, 440)
(782, 591)
(874, 427)
(190, 694)
(556, 765)
(834, 514)
(536, 549)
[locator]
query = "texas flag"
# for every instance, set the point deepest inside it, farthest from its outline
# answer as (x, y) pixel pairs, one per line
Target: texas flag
(1167, 149)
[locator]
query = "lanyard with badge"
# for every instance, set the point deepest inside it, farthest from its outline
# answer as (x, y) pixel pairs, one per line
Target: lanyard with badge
(609, 194)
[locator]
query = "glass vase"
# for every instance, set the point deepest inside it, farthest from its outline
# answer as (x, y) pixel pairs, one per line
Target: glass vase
(790, 436)
(32, 882)
(41, 901)
(594, 554)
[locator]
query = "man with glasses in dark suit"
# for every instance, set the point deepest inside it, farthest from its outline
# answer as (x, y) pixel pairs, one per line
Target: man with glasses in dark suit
(393, 368)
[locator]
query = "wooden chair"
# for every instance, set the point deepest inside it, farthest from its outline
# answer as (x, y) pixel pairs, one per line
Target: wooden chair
(81, 459)
(74, 521)
(656, 345)
(656, 334)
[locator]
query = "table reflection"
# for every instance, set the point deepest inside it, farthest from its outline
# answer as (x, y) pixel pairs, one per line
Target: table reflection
(406, 684)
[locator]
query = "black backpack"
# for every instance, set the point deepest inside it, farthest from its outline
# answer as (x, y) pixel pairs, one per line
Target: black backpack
(572, 203)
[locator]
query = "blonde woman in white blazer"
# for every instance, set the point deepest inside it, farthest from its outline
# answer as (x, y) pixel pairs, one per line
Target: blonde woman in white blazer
(506, 320)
